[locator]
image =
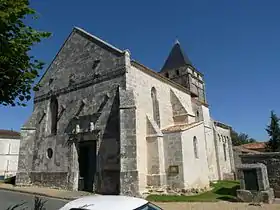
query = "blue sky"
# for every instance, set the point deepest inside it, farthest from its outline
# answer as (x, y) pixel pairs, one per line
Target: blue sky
(235, 44)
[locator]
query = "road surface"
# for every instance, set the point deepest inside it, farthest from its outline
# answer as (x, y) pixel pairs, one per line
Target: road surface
(9, 198)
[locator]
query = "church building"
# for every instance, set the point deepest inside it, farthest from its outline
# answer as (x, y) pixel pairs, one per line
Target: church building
(105, 123)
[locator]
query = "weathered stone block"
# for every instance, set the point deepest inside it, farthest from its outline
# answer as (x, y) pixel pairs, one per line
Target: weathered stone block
(153, 180)
(254, 184)
(268, 196)
(229, 176)
(244, 195)
(272, 162)
(129, 183)
(23, 179)
(253, 177)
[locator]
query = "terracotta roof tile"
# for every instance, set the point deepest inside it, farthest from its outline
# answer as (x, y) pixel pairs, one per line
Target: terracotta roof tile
(255, 145)
(242, 149)
(9, 133)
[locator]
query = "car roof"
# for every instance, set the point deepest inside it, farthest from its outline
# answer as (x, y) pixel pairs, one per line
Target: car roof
(104, 202)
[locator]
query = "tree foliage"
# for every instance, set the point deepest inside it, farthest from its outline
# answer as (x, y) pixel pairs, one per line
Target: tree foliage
(273, 131)
(18, 69)
(240, 138)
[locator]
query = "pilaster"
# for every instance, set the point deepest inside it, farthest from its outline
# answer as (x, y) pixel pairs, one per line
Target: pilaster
(129, 181)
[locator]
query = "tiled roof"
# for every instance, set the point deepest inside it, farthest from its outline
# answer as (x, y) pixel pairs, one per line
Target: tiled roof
(255, 145)
(242, 149)
(176, 58)
(9, 133)
(180, 127)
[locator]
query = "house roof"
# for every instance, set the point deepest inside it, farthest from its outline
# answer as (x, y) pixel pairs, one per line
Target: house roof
(176, 58)
(180, 127)
(9, 134)
(255, 145)
(242, 149)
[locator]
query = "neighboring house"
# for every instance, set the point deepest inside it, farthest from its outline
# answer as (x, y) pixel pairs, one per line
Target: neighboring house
(9, 151)
(256, 146)
(103, 122)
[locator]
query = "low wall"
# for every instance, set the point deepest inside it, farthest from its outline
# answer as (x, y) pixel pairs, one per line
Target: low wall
(272, 162)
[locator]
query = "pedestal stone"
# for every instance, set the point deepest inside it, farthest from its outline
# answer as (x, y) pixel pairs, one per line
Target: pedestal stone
(254, 184)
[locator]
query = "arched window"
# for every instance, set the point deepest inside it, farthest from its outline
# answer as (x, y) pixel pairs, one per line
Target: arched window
(225, 151)
(227, 139)
(53, 114)
(177, 72)
(197, 115)
(195, 147)
(155, 106)
(166, 74)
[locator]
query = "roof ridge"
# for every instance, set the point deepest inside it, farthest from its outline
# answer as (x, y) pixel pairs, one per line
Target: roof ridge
(98, 39)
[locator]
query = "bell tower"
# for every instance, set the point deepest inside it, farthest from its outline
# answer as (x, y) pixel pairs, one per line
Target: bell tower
(179, 69)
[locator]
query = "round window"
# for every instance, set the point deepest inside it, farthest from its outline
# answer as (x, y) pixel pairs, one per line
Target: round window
(49, 153)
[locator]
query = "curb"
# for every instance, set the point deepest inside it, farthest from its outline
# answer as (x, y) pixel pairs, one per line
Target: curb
(37, 194)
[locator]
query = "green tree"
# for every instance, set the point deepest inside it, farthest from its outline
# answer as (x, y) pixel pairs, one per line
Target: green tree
(240, 138)
(273, 131)
(18, 69)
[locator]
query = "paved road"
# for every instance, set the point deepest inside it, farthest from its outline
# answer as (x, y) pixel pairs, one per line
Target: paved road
(9, 198)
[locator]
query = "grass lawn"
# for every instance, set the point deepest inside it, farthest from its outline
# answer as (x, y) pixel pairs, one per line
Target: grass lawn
(223, 190)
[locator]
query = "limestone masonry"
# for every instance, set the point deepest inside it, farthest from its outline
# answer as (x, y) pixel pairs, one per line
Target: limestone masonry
(103, 122)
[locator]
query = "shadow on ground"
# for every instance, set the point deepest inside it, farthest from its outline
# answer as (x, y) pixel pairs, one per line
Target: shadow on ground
(227, 193)
(10, 180)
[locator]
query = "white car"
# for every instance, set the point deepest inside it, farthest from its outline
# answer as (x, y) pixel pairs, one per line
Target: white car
(109, 202)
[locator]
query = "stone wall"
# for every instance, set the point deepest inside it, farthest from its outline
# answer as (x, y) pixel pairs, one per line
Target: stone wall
(272, 162)
(224, 152)
(174, 158)
(142, 81)
(85, 78)
(196, 171)
(237, 159)
(129, 175)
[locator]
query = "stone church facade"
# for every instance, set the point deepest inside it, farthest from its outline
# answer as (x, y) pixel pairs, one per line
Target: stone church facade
(103, 122)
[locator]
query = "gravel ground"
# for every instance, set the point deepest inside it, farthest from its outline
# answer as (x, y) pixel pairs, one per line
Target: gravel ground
(216, 206)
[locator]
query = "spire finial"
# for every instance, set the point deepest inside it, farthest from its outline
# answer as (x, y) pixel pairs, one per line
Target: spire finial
(177, 41)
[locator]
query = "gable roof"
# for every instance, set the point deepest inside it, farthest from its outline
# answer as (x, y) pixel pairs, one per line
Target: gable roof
(176, 58)
(88, 36)
(98, 41)
(9, 134)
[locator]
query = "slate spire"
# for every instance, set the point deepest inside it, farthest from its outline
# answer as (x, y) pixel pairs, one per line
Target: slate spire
(176, 58)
